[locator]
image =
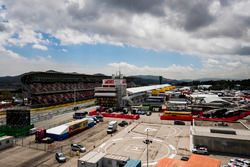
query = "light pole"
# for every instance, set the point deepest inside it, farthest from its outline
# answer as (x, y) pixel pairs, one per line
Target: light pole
(74, 96)
(147, 142)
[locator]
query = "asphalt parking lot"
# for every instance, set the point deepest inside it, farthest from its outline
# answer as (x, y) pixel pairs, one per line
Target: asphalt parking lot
(167, 141)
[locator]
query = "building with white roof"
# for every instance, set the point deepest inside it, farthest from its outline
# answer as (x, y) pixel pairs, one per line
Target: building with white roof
(99, 159)
(145, 88)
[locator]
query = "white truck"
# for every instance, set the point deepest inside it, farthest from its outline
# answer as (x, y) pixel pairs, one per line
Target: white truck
(112, 127)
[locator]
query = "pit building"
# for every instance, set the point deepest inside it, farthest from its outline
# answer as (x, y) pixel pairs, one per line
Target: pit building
(223, 140)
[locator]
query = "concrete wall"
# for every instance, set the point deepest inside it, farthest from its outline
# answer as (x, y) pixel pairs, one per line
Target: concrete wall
(105, 162)
(88, 164)
(223, 145)
(112, 163)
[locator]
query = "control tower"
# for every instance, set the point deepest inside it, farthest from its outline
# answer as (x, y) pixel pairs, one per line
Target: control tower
(112, 91)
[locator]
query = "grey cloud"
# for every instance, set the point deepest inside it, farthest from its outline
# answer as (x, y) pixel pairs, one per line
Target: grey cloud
(198, 16)
(179, 25)
(94, 9)
(154, 7)
(192, 14)
(88, 12)
(225, 2)
(243, 51)
(235, 27)
(2, 27)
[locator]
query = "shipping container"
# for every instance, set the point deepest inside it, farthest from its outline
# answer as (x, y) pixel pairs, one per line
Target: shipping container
(133, 163)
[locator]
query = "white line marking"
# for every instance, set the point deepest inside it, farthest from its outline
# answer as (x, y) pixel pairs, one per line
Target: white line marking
(172, 147)
(117, 139)
(138, 137)
(172, 156)
(149, 129)
(103, 145)
(158, 140)
(152, 163)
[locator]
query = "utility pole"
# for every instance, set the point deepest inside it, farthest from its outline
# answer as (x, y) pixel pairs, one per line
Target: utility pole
(147, 142)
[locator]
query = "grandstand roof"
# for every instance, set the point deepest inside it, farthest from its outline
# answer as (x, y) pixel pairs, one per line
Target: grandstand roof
(145, 88)
(58, 76)
(105, 94)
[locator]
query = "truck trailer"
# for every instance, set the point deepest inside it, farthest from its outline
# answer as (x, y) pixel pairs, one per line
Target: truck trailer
(112, 127)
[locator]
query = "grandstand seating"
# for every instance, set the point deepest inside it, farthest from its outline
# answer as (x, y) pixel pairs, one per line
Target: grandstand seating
(54, 87)
(52, 99)
(58, 93)
(46, 89)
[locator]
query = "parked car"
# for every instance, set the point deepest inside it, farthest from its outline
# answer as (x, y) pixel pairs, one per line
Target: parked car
(239, 162)
(184, 158)
(125, 110)
(76, 108)
(134, 111)
(47, 140)
(32, 131)
(100, 109)
(141, 112)
(80, 114)
(200, 150)
(60, 157)
(247, 162)
(177, 122)
(123, 123)
(110, 110)
(96, 120)
(78, 147)
(234, 164)
(99, 118)
(148, 113)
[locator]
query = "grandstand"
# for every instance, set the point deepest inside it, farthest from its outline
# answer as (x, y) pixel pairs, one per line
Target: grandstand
(52, 88)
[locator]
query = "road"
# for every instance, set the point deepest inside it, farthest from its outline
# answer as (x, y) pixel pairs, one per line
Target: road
(59, 119)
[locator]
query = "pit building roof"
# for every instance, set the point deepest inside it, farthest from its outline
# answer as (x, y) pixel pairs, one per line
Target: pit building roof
(92, 157)
(206, 132)
(146, 88)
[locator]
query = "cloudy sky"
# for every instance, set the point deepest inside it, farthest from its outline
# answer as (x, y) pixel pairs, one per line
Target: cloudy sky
(178, 39)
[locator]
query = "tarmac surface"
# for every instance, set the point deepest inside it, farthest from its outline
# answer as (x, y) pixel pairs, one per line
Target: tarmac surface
(167, 140)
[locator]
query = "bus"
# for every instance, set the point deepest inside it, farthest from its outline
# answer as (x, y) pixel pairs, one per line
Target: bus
(80, 114)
